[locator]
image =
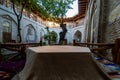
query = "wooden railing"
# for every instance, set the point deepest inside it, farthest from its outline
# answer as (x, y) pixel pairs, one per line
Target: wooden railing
(95, 46)
(99, 47)
(19, 47)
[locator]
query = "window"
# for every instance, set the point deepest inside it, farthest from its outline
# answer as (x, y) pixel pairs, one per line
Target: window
(6, 26)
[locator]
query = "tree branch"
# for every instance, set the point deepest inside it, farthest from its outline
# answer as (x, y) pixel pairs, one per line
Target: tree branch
(14, 9)
(21, 12)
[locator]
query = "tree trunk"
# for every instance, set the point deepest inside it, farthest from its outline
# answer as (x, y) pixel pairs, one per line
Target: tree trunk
(19, 16)
(19, 31)
(63, 33)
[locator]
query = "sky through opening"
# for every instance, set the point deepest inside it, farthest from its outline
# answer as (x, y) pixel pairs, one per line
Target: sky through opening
(74, 11)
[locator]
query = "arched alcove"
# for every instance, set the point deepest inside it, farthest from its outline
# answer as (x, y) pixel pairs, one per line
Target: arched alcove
(6, 32)
(77, 36)
(31, 34)
(42, 32)
(8, 28)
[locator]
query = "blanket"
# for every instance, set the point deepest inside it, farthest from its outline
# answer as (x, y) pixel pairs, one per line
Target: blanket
(61, 66)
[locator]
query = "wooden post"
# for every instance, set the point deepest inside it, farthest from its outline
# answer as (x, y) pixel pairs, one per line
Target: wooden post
(22, 51)
(0, 47)
(0, 52)
(116, 51)
(41, 42)
(74, 43)
(65, 42)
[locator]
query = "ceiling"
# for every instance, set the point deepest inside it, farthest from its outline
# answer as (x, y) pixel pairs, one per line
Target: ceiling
(82, 7)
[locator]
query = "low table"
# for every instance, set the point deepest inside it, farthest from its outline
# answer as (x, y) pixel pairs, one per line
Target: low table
(60, 63)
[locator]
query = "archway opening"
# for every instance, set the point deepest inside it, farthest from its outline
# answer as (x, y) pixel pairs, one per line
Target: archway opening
(6, 34)
(31, 34)
(77, 36)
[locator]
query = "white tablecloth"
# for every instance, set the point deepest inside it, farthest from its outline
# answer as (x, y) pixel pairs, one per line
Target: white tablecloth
(59, 49)
(60, 63)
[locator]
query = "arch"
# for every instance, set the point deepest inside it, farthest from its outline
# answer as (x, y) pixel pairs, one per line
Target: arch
(42, 32)
(31, 34)
(8, 33)
(78, 36)
(8, 17)
(7, 23)
(8, 30)
(57, 32)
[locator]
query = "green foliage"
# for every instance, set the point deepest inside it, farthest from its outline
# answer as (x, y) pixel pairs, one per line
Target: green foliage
(54, 9)
(46, 37)
(28, 4)
(53, 36)
(50, 36)
(50, 9)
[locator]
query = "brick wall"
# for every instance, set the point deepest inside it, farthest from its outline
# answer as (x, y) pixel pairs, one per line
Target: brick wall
(111, 24)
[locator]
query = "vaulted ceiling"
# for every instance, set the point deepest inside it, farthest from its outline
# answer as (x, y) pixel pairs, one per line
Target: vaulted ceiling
(82, 7)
